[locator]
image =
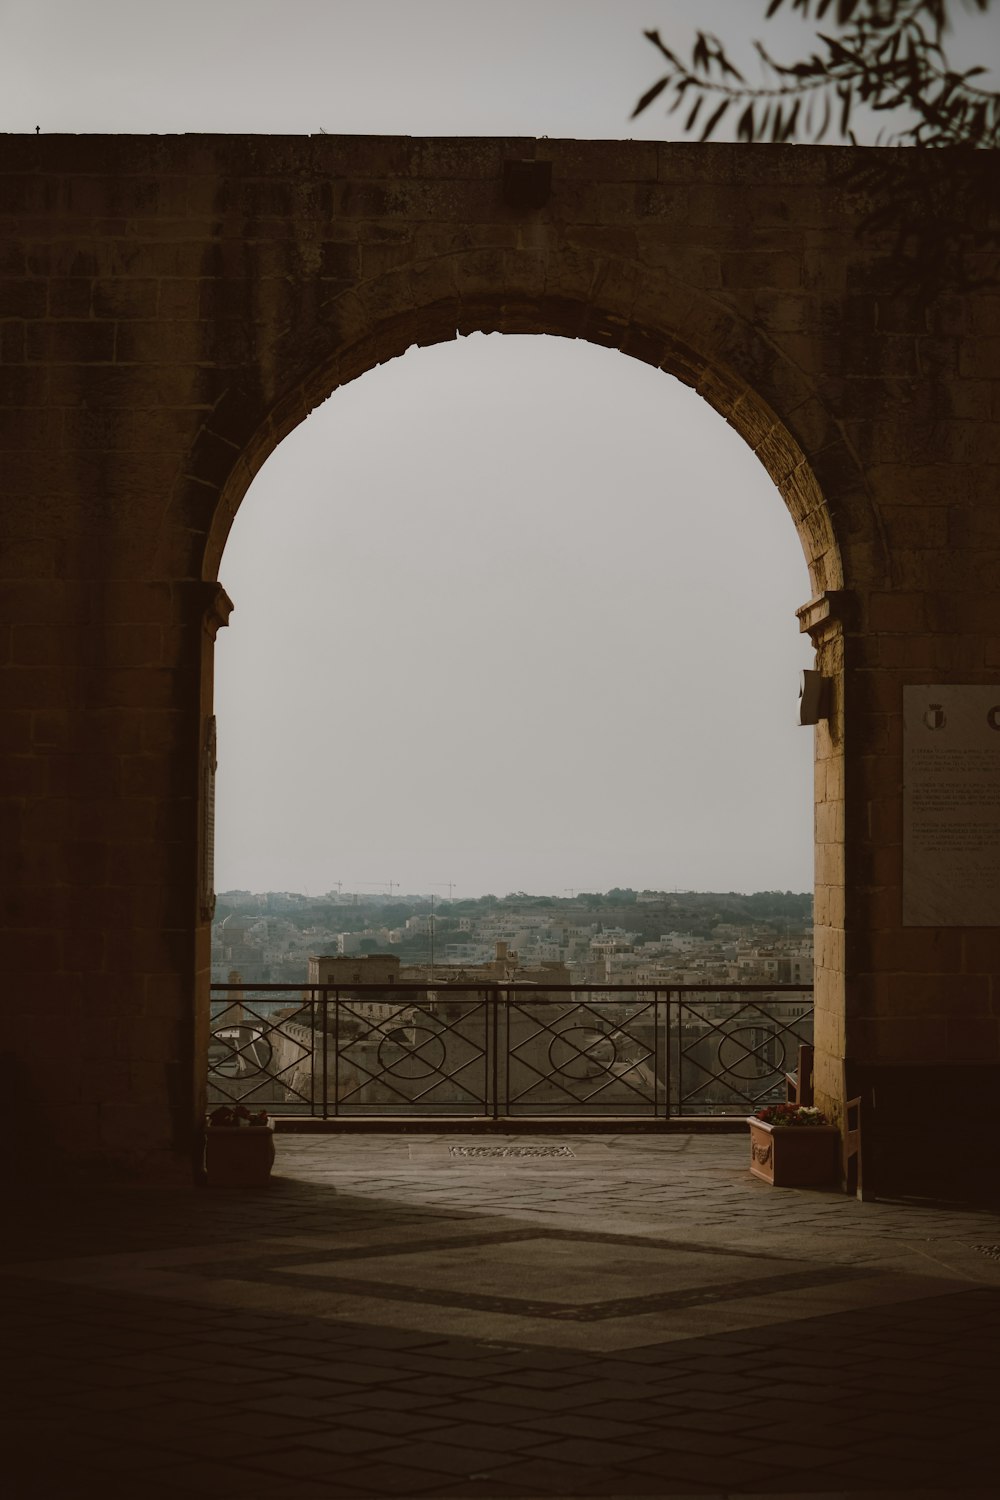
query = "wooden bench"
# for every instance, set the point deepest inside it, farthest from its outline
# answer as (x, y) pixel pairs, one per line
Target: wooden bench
(799, 1090)
(852, 1148)
(799, 1085)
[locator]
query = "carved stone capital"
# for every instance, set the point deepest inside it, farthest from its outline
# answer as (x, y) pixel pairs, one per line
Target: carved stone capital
(217, 607)
(824, 614)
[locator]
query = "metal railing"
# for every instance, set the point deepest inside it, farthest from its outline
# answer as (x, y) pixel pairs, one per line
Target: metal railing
(505, 1051)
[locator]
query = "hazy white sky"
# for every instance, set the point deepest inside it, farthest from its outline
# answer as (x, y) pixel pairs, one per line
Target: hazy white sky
(515, 613)
(406, 67)
(510, 613)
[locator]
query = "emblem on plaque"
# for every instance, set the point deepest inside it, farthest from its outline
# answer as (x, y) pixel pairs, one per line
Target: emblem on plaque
(935, 717)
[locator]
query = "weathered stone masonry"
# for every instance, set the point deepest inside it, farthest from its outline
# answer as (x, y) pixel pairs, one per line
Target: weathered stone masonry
(171, 307)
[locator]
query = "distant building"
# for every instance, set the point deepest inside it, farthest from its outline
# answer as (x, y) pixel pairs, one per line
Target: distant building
(345, 969)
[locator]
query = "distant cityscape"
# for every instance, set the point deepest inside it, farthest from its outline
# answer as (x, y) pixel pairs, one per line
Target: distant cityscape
(620, 936)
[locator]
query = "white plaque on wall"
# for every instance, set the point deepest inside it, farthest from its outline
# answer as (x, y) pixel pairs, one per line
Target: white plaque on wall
(951, 806)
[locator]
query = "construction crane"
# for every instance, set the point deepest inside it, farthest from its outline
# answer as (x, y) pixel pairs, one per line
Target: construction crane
(435, 886)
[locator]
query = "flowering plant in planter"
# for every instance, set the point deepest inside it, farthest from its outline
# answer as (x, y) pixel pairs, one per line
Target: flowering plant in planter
(803, 1156)
(790, 1114)
(228, 1116)
(239, 1147)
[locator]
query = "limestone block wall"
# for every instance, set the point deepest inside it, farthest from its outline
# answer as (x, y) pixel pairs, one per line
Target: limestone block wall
(171, 307)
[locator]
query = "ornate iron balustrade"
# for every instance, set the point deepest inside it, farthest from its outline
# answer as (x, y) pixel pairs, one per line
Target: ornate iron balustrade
(505, 1050)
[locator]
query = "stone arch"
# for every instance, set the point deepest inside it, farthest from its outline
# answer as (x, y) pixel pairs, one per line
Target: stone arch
(776, 408)
(173, 306)
(741, 371)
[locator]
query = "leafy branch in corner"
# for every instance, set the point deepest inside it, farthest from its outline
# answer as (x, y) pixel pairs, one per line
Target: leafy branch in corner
(887, 56)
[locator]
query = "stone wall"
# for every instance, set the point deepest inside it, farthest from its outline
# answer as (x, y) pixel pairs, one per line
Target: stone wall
(170, 307)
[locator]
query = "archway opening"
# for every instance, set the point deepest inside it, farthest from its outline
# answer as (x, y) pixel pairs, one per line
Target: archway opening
(517, 587)
(519, 617)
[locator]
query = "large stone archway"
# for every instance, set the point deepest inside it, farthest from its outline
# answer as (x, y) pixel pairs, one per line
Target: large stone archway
(174, 307)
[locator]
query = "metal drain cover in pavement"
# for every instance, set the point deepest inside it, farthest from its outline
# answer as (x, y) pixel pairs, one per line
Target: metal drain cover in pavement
(503, 1153)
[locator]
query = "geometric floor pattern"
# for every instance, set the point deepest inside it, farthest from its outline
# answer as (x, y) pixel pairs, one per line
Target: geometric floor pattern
(392, 1317)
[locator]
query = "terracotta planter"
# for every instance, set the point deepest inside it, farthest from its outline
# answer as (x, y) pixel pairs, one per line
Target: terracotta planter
(794, 1155)
(239, 1155)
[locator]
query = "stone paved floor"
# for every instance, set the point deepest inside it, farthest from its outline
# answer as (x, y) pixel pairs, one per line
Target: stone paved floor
(621, 1316)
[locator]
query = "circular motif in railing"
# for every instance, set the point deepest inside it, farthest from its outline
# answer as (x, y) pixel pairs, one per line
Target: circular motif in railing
(411, 1052)
(582, 1052)
(744, 1059)
(239, 1052)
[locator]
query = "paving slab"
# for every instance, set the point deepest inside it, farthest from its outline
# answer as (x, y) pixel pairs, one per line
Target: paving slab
(626, 1316)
